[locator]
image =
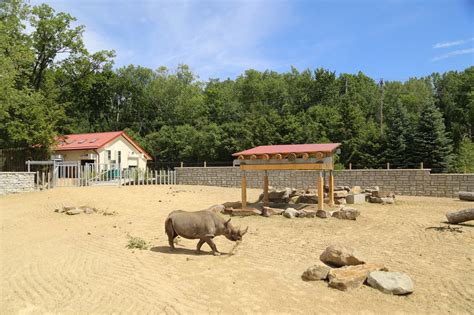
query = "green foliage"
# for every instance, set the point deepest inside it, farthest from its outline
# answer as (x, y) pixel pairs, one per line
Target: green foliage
(50, 84)
(464, 161)
(137, 242)
(431, 143)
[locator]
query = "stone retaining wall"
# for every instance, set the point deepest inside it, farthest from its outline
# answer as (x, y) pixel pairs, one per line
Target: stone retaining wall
(13, 182)
(406, 182)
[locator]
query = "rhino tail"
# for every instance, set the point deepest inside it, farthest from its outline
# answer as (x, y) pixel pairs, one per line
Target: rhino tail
(169, 228)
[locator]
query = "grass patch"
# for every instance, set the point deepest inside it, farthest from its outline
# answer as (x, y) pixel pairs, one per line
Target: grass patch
(137, 243)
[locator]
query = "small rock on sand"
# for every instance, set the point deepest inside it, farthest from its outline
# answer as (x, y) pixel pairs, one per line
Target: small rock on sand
(390, 282)
(340, 255)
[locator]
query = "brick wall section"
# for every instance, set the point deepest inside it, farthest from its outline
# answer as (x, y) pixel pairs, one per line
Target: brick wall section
(405, 182)
(13, 182)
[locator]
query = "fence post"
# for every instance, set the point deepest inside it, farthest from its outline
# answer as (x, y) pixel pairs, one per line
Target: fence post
(350, 166)
(388, 165)
(182, 164)
(205, 164)
(421, 165)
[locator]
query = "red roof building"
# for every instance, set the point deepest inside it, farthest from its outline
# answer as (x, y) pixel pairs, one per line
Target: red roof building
(104, 148)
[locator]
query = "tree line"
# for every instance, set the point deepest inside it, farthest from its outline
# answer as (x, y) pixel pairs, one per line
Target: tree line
(51, 84)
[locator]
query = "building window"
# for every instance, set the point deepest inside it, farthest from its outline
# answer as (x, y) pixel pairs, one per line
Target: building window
(119, 157)
(109, 155)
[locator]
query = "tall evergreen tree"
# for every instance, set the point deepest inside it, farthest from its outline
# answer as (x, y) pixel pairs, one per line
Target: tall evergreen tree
(397, 142)
(432, 145)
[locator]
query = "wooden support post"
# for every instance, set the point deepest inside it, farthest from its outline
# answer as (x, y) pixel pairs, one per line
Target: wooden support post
(244, 191)
(205, 164)
(350, 166)
(265, 189)
(320, 186)
(182, 164)
(388, 165)
(331, 189)
(421, 165)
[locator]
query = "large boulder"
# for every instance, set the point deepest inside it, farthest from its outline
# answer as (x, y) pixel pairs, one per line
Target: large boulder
(346, 213)
(355, 199)
(308, 198)
(466, 195)
(244, 212)
(307, 213)
(290, 213)
(339, 255)
(267, 211)
(390, 282)
(383, 194)
(324, 214)
(383, 200)
(316, 272)
(340, 194)
(371, 189)
(351, 277)
(340, 201)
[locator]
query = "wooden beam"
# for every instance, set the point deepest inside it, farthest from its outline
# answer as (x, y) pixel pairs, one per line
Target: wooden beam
(320, 192)
(262, 167)
(244, 191)
(265, 189)
(331, 189)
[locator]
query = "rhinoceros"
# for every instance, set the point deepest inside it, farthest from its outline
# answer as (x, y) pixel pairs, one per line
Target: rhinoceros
(203, 225)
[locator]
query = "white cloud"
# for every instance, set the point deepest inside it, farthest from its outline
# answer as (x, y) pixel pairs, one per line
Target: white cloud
(453, 43)
(454, 53)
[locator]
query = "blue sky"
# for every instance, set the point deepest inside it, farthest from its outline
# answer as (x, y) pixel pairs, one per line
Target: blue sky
(390, 39)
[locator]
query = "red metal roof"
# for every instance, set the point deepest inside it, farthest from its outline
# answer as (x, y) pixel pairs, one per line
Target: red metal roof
(91, 141)
(289, 148)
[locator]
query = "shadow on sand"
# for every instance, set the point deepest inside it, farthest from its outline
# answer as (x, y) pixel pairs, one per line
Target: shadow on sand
(181, 251)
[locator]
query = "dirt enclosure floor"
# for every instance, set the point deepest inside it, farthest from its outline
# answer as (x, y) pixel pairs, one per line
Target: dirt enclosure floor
(55, 263)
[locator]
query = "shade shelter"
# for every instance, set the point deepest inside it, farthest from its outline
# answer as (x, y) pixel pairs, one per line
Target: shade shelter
(317, 157)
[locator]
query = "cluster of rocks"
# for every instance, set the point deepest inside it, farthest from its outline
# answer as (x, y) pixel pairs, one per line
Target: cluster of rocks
(344, 213)
(342, 195)
(73, 210)
(345, 269)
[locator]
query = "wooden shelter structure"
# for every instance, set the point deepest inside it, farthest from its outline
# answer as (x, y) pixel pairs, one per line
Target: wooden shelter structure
(316, 157)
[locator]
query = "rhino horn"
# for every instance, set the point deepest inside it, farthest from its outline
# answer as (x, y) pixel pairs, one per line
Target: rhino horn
(242, 233)
(227, 222)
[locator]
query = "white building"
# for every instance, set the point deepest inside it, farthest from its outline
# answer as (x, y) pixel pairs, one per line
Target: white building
(103, 148)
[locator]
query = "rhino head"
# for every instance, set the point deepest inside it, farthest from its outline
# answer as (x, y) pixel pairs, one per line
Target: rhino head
(233, 234)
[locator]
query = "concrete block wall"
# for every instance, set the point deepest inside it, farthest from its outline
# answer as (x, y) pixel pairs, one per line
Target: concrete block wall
(13, 182)
(406, 182)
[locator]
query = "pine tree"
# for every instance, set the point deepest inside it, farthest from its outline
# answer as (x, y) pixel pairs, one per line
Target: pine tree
(465, 156)
(397, 137)
(432, 145)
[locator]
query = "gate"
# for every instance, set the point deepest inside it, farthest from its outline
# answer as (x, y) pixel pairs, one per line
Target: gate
(101, 174)
(66, 174)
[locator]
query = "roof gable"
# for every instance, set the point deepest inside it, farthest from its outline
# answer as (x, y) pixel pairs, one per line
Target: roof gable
(92, 141)
(290, 148)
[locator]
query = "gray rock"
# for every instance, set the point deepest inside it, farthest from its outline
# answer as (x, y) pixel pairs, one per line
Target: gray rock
(351, 277)
(340, 255)
(316, 272)
(290, 213)
(346, 213)
(339, 188)
(324, 214)
(267, 211)
(340, 194)
(466, 195)
(384, 200)
(306, 213)
(340, 201)
(355, 199)
(391, 282)
(294, 199)
(383, 194)
(308, 198)
(371, 189)
(74, 211)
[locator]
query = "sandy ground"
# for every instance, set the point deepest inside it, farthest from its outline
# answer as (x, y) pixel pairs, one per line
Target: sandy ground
(56, 263)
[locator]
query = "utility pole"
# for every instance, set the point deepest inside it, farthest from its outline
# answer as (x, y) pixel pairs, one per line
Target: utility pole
(381, 106)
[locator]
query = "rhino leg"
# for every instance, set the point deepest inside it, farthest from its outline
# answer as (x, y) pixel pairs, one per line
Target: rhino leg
(211, 244)
(199, 245)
